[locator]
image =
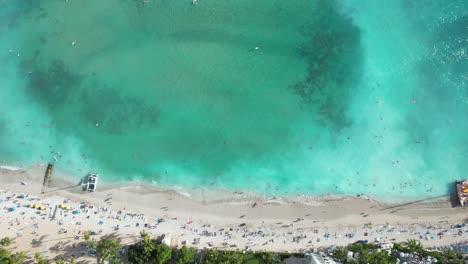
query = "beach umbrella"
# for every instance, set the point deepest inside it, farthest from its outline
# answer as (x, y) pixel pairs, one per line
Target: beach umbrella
(36, 206)
(12, 209)
(68, 208)
(43, 208)
(22, 196)
(31, 206)
(62, 206)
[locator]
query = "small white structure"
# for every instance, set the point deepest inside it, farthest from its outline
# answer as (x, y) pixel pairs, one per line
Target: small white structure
(387, 246)
(321, 258)
(167, 239)
(91, 183)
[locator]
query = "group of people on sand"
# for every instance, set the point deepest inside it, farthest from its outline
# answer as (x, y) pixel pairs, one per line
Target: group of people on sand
(82, 217)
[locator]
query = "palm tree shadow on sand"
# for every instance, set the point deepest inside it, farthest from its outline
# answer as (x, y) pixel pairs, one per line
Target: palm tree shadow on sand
(452, 195)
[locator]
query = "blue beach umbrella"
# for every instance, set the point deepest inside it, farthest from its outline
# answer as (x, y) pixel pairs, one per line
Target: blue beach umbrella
(12, 209)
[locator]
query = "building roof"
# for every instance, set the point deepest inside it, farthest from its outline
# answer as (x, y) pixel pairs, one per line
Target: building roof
(321, 258)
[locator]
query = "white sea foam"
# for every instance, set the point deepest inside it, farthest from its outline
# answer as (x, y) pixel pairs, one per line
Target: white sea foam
(12, 168)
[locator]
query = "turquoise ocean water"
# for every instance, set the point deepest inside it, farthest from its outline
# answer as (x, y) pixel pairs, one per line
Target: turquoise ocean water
(341, 97)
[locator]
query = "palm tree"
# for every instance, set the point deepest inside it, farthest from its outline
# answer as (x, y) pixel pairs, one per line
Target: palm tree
(19, 258)
(340, 253)
(379, 257)
(6, 242)
(106, 251)
(414, 246)
(453, 257)
(40, 259)
(147, 244)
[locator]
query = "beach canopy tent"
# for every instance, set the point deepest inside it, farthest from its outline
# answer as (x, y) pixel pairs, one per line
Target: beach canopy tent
(12, 209)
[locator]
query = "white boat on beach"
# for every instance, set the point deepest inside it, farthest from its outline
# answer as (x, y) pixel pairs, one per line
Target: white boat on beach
(91, 183)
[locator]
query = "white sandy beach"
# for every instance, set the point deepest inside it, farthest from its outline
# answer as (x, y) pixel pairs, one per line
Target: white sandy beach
(238, 224)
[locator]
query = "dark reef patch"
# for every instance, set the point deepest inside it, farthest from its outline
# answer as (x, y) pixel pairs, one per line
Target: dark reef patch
(52, 85)
(62, 90)
(333, 53)
(116, 113)
(25, 7)
(12, 13)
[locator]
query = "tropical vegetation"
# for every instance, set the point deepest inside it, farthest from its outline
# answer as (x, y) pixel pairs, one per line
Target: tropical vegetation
(148, 250)
(6, 242)
(370, 254)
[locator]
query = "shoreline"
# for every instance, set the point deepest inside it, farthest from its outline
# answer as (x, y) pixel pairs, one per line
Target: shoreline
(293, 226)
(63, 184)
(199, 194)
(221, 195)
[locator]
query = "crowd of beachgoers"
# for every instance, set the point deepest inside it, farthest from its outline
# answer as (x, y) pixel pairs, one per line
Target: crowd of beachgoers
(51, 223)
